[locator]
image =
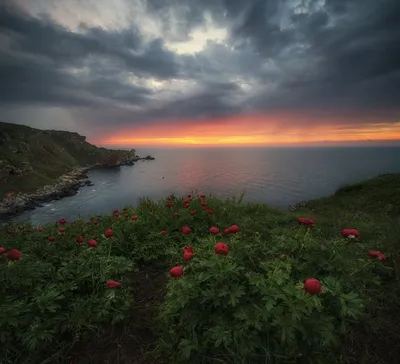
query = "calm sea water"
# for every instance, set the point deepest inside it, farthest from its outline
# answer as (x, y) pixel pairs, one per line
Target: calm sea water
(276, 176)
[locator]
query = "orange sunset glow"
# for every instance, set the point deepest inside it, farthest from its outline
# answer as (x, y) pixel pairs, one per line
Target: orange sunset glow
(253, 130)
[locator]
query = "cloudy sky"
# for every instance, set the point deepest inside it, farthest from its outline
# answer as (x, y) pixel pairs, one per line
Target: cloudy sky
(226, 72)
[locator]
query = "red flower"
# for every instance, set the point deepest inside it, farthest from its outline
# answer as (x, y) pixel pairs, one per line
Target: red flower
(377, 254)
(14, 254)
(52, 238)
(221, 248)
(125, 209)
(134, 218)
(186, 230)
(62, 221)
(202, 196)
(11, 235)
(312, 286)
(210, 211)
(61, 230)
(227, 232)
(193, 212)
(176, 272)
(2, 251)
(176, 214)
(95, 222)
(350, 233)
(116, 214)
(189, 195)
(213, 230)
(233, 229)
(92, 243)
(40, 230)
(126, 215)
(203, 203)
(306, 221)
(109, 233)
(113, 284)
(163, 232)
(80, 239)
(188, 253)
(186, 202)
(115, 211)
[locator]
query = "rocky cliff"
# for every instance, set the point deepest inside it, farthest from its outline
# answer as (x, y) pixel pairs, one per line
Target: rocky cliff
(31, 159)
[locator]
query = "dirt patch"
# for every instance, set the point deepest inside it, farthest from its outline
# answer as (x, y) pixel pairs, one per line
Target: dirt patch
(135, 342)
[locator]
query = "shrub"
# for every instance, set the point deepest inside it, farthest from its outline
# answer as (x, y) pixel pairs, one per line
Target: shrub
(250, 306)
(56, 295)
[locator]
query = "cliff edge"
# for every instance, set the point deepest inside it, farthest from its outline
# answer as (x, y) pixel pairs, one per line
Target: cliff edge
(31, 159)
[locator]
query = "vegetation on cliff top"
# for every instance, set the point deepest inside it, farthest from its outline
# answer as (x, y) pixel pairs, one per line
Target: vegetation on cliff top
(31, 158)
(103, 291)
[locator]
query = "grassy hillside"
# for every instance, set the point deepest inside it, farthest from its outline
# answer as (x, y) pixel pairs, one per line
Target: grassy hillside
(69, 299)
(31, 158)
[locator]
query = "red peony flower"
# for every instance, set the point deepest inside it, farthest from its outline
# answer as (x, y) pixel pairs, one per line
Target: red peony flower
(95, 222)
(11, 235)
(312, 286)
(14, 254)
(40, 230)
(176, 214)
(109, 233)
(233, 229)
(115, 211)
(186, 202)
(203, 203)
(163, 232)
(221, 248)
(189, 195)
(186, 230)
(134, 218)
(2, 251)
(52, 238)
(116, 214)
(210, 211)
(306, 221)
(62, 221)
(176, 272)
(92, 243)
(126, 215)
(202, 196)
(113, 284)
(227, 232)
(213, 230)
(377, 254)
(61, 230)
(80, 239)
(193, 212)
(350, 233)
(188, 253)
(185, 206)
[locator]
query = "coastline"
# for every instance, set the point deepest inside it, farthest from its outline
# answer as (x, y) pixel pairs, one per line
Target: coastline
(66, 185)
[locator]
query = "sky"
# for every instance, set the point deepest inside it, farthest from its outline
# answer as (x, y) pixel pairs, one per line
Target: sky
(201, 73)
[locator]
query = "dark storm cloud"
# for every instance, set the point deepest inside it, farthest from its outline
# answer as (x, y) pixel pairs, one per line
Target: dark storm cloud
(341, 55)
(42, 37)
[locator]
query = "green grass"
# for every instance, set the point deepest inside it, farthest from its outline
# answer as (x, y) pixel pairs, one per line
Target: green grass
(50, 153)
(248, 306)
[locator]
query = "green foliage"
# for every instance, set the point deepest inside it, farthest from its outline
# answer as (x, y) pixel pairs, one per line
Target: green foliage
(247, 307)
(56, 294)
(251, 307)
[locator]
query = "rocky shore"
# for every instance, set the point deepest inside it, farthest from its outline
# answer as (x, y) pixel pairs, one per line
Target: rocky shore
(66, 185)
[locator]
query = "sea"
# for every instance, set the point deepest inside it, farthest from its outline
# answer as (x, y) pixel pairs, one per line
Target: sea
(275, 176)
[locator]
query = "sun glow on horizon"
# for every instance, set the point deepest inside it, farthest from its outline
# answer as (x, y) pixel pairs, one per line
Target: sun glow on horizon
(254, 130)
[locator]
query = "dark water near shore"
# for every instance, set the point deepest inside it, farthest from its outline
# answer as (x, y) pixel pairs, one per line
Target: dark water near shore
(277, 176)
